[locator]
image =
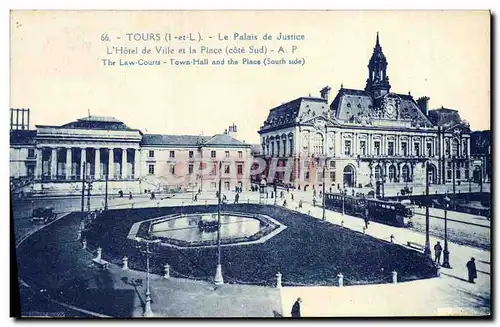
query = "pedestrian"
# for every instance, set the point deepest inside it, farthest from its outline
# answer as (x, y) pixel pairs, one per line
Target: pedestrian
(120, 192)
(437, 252)
(196, 197)
(130, 195)
(314, 202)
(267, 195)
(367, 218)
(320, 194)
(284, 203)
(153, 196)
(236, 198)
(281, 195)
(300, 204)
(471, 267)
(314, 193)
(330, 189)
(296, 308)
(291, 195)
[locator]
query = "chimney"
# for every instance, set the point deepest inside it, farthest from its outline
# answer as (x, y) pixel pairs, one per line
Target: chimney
(422, 103)
(233, 131)
(325, 92)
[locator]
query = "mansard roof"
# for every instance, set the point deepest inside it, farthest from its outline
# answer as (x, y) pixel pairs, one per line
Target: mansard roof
(447, 118)
(191, 140)
(350, 105)
(291, 112)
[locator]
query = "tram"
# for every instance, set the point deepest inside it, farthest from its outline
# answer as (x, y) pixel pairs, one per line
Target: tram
(387, 212)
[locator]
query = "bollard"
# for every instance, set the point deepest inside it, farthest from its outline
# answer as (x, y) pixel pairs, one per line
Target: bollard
(392, 238)
(309, 212)
(157, 204)
(278, 280)
(84, 243)
(341, 279)
(438, 271)
(205, 202)
(132, 206)
(99, 253)
(166, 273)
(248, 201)
(364, 230)
(394, 277)
(342, 223)
(125, 263)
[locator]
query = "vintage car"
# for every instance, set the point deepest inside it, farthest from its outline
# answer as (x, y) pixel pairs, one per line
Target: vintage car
(43, 215)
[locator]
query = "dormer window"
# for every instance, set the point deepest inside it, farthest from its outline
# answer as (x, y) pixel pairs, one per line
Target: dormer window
(348, 104)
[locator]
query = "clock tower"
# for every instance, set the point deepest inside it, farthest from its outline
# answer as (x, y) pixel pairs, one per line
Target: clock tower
(378, 81)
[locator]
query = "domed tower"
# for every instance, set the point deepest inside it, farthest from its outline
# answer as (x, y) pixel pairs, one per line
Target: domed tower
(378, 81)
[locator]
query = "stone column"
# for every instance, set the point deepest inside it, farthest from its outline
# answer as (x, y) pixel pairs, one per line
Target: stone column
(39, 163)
(137, 163)
(68, 162)
(53, 163)
(83, 161)
(111, 163)
(97, 163)
(124, 163)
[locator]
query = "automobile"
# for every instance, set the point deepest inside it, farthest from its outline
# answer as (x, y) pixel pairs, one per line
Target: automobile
(43, 215)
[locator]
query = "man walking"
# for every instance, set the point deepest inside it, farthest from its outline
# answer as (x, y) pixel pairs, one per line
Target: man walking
(236, 198)
(471, 267)
(296, 308)
(437, 252)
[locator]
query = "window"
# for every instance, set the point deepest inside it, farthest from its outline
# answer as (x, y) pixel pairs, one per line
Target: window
(362, 146)
(226, 169)
(448, 174)
(31, 153)
(404, 148)
(377, 172)
(151, 169)
(390, 148)
(284, 147)
(454, 149)
(172, 169)
(464, 148)
(318, 143)
(377, 148)
(332, 176)
(191, 154)
(405, 172)
(466, 174)
(392, 173)
(227, 154)
(291, 147)
(457, 174)
(240, 169)
(172, 154)
(240, 154)
(212, 154)
(448, 164)
(191, 168)
(347, 147)
(417, 149)
(151, 153)
(332, 164)
(429, 149)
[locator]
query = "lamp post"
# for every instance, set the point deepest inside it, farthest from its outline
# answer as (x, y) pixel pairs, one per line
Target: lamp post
(89, 188)
(148, 312)
(453, 175)
(343, 200)
(446, 252)
(219, 280)
(106, 194)
(262, 188)
(427, 249)
(324, 175)
(83, 186)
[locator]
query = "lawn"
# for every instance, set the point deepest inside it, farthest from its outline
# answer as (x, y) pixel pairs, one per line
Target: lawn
(307, 252)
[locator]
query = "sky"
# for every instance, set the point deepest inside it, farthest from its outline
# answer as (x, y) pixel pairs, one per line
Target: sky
(57, 70)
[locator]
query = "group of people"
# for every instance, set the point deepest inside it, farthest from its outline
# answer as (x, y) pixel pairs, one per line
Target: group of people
(471, 264)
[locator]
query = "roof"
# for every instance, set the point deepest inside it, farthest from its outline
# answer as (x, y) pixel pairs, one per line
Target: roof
(294, 110)
(445, 117)
(25, 137)
(191, 140)
(98, 122)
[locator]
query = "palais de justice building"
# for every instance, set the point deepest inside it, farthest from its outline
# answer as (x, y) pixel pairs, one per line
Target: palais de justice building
(366, 137)
(53, 160)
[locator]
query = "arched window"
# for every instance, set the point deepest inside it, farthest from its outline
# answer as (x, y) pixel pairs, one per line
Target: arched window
(378, 172)
(454, 147)
(318, 143)
(284, 146)
(392, 173)
(272, 147)
(405, 174)
(277, 146)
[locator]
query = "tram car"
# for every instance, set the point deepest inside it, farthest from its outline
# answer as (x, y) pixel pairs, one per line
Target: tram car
(387, 212)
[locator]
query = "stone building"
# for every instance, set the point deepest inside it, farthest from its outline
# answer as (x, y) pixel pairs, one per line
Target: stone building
(54, 159)
(370, 138)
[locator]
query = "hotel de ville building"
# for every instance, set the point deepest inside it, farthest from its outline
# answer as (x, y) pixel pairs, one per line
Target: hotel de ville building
(366, 138)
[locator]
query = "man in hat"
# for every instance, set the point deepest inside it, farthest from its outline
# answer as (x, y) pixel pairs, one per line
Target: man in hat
(296, 308)
(471, 267)
(437, 252)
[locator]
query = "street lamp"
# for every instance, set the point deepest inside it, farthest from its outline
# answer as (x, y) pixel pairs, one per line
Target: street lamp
(219, 280)
(324, 179)
(427, 249)
(262, 188)
(147, 305)
(446, 252)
